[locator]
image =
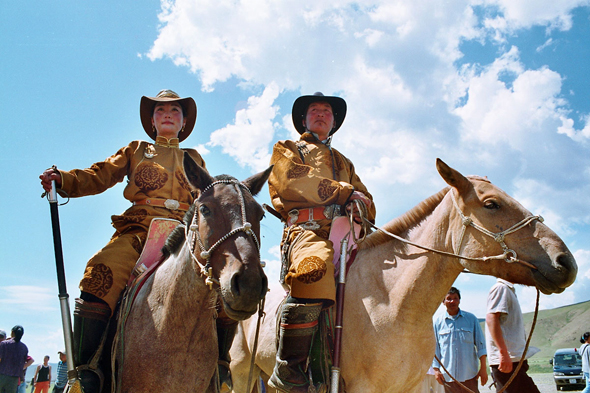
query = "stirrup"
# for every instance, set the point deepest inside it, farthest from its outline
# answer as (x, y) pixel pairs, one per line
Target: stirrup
(88, 368)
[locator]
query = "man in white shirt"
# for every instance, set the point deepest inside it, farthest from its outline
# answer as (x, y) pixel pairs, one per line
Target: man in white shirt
(506, 339)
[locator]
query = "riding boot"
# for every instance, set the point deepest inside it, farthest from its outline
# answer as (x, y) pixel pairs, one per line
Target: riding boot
(226, 330)
(298, 325)
(90, 323)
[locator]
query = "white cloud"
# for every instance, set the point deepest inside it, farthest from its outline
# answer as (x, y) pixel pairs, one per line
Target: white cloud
(411, 94)
(29, 298)
(248, 139)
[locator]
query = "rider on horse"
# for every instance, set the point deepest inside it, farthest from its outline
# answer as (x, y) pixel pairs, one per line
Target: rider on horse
(311, 183)
(156, 187)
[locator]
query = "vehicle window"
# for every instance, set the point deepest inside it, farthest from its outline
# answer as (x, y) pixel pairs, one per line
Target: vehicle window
(568, 360)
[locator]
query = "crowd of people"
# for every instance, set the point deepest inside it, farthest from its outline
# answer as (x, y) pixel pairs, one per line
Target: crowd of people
(14, 361)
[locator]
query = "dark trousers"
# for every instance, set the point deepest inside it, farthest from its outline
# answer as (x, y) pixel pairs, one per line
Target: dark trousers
(521, 383)
(454, 387)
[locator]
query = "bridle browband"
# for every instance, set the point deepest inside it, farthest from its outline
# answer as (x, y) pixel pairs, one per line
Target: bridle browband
(509, 255)
(194, 238)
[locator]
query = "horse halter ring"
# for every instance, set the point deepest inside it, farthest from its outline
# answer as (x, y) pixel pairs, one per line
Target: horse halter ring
(194, 237)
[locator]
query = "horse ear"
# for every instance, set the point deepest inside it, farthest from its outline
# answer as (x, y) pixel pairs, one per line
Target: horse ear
(255, 183)
(198, 177)
(453, 177)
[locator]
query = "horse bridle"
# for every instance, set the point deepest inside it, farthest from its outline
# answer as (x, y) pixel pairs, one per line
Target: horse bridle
(509, 255)
(193, 236)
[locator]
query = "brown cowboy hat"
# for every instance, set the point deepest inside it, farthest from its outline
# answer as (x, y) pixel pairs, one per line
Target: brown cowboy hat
(300, 110)
(146, 111)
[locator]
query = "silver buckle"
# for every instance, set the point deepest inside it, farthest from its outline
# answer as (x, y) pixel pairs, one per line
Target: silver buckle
(332, 211)
(171, 204)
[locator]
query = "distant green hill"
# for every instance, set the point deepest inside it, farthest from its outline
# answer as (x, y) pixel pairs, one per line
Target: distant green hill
(556, 328)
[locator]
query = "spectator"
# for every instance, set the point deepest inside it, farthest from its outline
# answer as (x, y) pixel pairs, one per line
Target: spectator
(506, 339)
(22, 386)
(460, 346)
(585, 354)
(2, 335)
(43, 376)
(13, 355)
(62, 373)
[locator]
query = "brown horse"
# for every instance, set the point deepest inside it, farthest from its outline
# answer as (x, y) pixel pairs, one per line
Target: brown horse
(393, 289)
(170, 342)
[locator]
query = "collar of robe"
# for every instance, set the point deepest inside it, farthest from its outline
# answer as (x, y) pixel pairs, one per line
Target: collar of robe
(165, 142)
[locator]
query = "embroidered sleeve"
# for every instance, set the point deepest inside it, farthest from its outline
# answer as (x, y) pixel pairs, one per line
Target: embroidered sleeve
(100, 176)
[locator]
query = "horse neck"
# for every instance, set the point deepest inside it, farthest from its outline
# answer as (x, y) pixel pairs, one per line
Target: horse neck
(408, 281)
(180, 291)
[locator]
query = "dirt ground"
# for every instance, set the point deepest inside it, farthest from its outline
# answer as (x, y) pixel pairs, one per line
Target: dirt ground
(543, 381)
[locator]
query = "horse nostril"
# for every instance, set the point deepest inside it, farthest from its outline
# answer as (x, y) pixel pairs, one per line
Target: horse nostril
(566, 261)
(235, 284)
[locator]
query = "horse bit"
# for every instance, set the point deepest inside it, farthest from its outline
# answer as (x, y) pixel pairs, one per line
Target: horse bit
(194, 238)
(509, 255)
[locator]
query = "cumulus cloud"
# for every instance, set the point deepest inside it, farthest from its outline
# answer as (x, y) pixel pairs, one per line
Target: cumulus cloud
(412, 93)
(248, 139)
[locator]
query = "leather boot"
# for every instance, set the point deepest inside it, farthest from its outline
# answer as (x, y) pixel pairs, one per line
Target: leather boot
(90, 323)
(298, 326)
(226, 330)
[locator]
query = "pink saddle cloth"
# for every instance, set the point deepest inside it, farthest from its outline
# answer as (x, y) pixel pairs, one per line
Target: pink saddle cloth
(151, 256)
(341, 229)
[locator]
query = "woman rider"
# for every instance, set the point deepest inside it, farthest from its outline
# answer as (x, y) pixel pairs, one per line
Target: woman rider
(156, 187)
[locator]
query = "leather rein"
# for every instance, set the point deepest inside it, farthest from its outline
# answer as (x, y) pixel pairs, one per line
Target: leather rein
(508, 255)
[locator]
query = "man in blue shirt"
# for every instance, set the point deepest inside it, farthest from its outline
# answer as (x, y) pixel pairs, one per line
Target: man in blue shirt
(459, 344)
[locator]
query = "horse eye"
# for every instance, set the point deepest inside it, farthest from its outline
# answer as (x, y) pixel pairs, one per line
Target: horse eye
(204, 210)
(491, 205)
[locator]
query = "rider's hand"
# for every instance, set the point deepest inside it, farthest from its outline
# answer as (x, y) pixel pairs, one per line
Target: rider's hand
(351, 207)
(47, 176)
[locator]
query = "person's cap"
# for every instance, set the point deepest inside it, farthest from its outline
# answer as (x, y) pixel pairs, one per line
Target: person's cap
(146, 111)
(302, 103)
(61, 352)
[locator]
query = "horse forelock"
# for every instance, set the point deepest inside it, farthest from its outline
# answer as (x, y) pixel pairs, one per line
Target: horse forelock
(406, 221)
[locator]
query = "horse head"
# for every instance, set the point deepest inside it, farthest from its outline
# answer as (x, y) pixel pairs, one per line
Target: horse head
(225, 224)
(492, 222)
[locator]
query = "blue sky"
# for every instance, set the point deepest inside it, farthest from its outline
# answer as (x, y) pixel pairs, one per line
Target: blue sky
(496, 88)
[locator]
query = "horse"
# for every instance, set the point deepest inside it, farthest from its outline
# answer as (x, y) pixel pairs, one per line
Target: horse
(394, 288)
(170, 342)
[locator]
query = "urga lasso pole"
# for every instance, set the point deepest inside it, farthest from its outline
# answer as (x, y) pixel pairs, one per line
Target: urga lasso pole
(73, 385)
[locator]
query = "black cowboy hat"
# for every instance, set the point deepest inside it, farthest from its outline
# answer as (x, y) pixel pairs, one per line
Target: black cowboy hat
(146, 111)
(300, 110)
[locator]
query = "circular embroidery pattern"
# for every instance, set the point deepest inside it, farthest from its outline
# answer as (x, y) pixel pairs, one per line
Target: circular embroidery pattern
(150, 176)
(311, 269)
(98, 280)
(138, 241)
(182, 180)
(134, 216)
(297, 171)
(326, 189)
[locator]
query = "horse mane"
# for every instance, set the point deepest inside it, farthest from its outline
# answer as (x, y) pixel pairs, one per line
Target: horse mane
(405, 222)
(177, 237)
